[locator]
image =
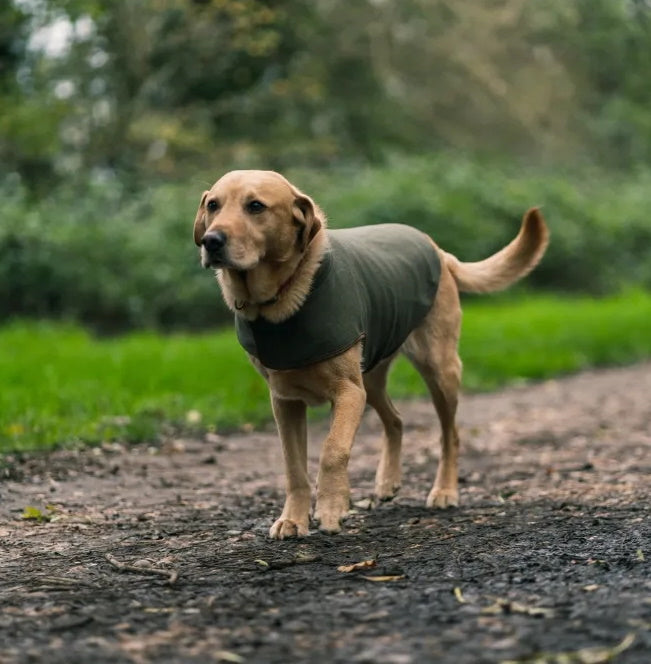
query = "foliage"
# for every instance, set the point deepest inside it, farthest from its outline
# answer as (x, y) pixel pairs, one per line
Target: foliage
(143, 385)
(116, 261)
(600, 233)
(142, 87)
(607, 44)
(109, 263)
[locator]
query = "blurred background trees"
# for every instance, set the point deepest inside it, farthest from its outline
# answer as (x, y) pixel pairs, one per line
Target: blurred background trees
(157, 87)
(452, 115)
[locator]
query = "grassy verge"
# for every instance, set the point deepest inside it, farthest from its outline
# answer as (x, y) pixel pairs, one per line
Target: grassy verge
(61, 386)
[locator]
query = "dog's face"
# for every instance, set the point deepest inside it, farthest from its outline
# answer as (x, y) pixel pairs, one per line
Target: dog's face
(250, 217)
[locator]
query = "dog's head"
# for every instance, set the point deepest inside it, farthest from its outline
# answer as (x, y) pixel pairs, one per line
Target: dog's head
(251, 217)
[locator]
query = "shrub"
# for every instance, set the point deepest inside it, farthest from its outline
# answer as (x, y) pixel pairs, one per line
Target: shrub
(600, 233)
(116, 262)
(109, 263)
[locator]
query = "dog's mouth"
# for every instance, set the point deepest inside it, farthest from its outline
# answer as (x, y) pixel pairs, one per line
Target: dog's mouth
(217, 261)
(213, 262)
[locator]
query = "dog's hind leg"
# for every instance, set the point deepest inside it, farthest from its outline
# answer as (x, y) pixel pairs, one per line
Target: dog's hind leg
(432, 348)
(443, 385)
(388, 475)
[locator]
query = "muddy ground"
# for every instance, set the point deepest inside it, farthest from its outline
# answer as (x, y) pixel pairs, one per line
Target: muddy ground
(547, 558)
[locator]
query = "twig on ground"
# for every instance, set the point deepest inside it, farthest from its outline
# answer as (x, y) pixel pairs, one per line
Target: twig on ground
(59, 581)
(171, 574)
(300, 559)
(71, 623)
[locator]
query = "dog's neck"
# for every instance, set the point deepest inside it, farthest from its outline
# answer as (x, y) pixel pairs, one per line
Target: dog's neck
(252, 299)
(274, 291)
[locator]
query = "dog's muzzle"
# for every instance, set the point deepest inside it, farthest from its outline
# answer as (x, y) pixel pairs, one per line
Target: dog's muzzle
(214, 245)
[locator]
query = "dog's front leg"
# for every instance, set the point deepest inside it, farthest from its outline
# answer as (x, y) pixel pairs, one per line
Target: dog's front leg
(292, 427)
(333, 490)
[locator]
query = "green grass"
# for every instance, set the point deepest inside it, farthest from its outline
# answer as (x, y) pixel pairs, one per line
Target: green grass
(60, 386)
(540, 336)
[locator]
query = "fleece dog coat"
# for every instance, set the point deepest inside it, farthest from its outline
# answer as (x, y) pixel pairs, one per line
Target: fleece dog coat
(375, 283)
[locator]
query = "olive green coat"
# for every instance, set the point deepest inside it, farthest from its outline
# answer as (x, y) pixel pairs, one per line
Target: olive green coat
(375, 283)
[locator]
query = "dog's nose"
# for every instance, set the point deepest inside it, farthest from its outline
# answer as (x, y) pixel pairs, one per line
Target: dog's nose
(214, 241)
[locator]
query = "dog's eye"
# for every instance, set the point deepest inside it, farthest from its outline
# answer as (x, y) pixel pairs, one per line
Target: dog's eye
(212, 206)
(255, 207)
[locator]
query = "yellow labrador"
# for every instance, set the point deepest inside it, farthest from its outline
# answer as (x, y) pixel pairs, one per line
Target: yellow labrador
(275, 260)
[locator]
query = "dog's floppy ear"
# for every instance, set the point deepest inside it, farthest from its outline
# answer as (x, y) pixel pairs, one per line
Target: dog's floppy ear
(308, 216)
(199, 224)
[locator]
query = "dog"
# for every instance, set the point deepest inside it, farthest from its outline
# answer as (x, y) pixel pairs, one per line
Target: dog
(322, 314)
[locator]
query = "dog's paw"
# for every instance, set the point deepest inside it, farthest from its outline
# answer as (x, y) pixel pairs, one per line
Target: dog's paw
(330, 517)
(286, 528)
(386, 491)
(329, 525)
(442, 498)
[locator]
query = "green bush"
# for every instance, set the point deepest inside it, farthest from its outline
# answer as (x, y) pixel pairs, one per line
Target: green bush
(600, 232)
(109, 263)
(116, 261)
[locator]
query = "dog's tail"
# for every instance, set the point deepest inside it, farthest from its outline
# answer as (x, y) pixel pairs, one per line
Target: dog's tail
(509, 264)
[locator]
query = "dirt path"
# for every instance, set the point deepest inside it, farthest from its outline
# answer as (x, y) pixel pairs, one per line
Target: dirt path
(548, 554)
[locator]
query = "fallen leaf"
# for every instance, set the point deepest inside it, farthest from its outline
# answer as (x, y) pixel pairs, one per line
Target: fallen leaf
(591, 587)
(364, 564)
(303, 558)
(377, 615)
(459, 595)
(537, 611)
(159, 609)
(595, 561)
(506, 606)
(596, 655)
(639, 555)
(493, 609)
(390, 577)
(35, 514)
(228, 656)
(262, 563)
